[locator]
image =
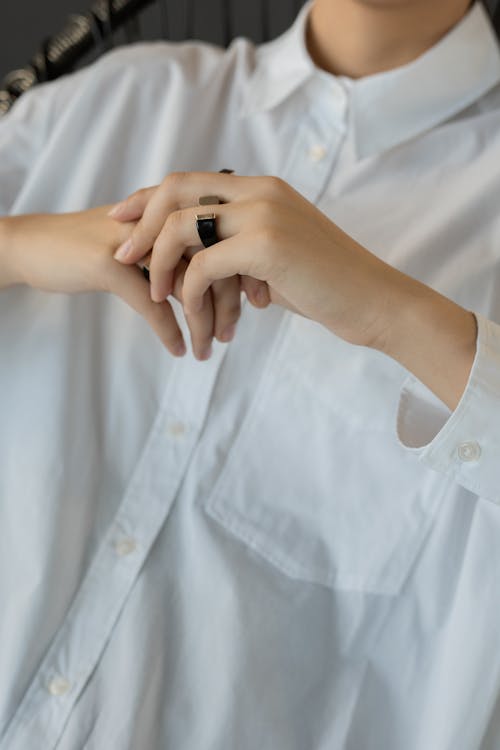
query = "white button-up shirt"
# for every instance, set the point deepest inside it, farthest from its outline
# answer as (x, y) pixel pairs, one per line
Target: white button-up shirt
(292, 545)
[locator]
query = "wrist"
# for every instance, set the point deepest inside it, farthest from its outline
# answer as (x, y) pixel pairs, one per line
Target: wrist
(432, 337)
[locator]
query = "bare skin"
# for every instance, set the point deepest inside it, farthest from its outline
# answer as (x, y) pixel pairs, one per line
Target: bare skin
(434, 339)
(362, 37)
(309, 266)
(73, 253)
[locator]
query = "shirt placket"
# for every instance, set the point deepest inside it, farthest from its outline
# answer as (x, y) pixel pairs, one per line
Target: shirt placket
(319, 139)
(79, 643)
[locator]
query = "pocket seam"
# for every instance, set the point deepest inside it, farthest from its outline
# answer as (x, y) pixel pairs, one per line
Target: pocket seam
(265, 540)
(362, 584)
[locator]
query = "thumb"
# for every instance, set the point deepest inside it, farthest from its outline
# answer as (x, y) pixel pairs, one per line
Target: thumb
(132, 208)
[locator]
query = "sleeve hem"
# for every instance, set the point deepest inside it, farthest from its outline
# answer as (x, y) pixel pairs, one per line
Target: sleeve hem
(464, 443)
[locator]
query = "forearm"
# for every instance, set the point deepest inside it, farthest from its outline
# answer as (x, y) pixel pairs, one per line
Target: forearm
(433, 338)
(7, 272)
(56, 252)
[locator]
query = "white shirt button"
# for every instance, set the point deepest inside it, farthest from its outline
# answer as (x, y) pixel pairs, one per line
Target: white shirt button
(469, 451)
(317, 152)
(125, 546)
(58, 686)
(176, 429)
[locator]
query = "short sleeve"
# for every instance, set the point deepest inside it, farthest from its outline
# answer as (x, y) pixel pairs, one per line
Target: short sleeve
(464, 443)
(25, 130)
(22, 132)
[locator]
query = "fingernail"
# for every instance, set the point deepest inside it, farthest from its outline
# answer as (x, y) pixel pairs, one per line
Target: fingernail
(155, 294)
(116, 209)
(179, 349)
(123, 250)
(228, 333)
(206, 353)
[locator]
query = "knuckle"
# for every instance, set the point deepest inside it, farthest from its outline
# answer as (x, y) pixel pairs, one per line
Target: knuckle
(137, 198)
(174, 180)
(268, 237)
(275, 185)
(264, 210)
(198, 262)
(174, 220)
(131, 198)
(139, 193)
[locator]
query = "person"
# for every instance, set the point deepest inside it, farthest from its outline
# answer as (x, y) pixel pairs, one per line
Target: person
(286, 537)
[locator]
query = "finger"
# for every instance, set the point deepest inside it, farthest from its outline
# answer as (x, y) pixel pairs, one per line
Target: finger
(226, 295)
(179, 279)
(257, 291)
(180, 190)
(132, 207)
(130, 285)
(180, 233)
(201, 327)
(237, 255)
(200, 324)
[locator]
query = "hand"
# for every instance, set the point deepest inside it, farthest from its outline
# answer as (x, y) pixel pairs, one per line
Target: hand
(221, 306)
(274, 236)
(73, 252)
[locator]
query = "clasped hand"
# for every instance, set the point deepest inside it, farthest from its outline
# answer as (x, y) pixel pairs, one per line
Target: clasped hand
(274, 245)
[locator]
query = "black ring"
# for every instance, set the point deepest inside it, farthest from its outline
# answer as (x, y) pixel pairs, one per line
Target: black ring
(205, 224)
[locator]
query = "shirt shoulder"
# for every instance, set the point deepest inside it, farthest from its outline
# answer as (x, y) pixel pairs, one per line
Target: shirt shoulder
(183, 70)
(180, 69)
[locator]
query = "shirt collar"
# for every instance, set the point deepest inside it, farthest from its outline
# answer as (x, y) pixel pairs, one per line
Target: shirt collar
(387, 108)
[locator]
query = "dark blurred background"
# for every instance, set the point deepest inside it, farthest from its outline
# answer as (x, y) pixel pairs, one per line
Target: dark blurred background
(24, 24)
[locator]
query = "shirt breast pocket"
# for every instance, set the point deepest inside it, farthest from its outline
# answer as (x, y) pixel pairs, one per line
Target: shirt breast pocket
(316, 481)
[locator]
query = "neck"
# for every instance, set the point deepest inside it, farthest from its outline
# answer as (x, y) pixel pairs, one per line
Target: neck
(357, 38)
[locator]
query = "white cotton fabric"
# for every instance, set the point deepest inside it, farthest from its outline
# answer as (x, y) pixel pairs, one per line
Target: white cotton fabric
(293, 545)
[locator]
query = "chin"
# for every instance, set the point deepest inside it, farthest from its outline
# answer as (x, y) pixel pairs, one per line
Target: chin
(389, 3)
